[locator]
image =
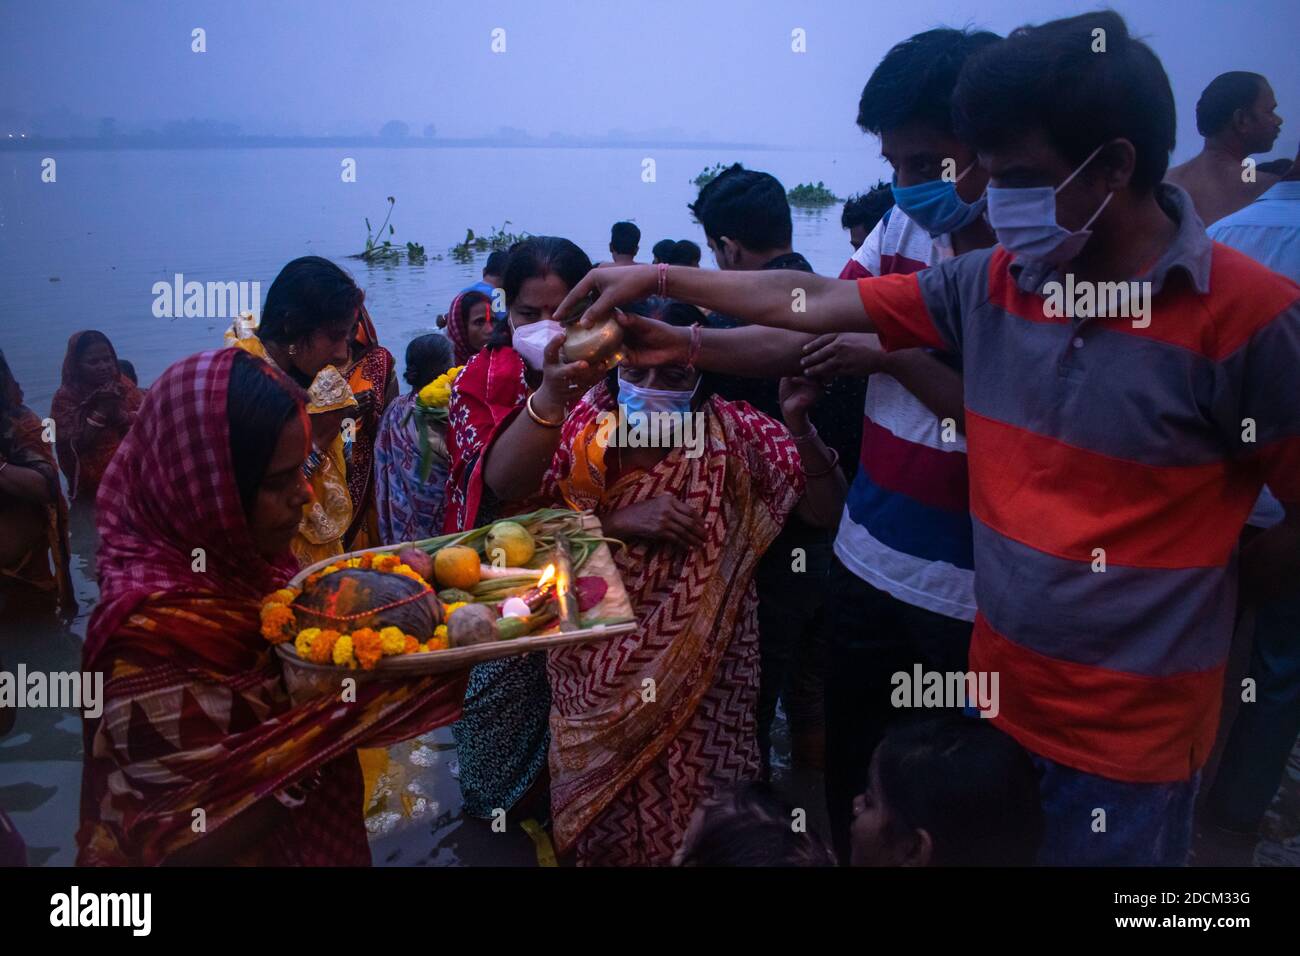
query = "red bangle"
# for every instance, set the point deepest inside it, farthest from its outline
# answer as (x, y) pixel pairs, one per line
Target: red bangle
(663, 280)
(693, 353)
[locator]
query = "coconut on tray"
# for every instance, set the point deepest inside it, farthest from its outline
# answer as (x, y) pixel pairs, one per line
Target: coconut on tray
(435, 598)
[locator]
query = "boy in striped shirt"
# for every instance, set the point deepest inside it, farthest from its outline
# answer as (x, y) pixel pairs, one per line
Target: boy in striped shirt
(1113, 458)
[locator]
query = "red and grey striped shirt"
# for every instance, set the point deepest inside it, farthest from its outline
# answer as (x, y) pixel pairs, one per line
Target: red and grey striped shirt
(1112, 467)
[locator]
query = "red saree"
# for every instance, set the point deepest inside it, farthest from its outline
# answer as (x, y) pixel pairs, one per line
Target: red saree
(627, 773)
(46, 565)
(85, 451)
(196, 716)
(370, 377)
(489, 393)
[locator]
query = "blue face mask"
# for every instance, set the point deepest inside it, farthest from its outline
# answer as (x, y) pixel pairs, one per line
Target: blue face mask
(935, 206)
(1024, 220)
(635, 398)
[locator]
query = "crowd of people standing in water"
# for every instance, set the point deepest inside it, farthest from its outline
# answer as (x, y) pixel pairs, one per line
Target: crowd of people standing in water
(921, 469)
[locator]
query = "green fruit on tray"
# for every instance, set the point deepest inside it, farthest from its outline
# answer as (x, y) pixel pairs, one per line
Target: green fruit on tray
(454, 596)
(509, 544)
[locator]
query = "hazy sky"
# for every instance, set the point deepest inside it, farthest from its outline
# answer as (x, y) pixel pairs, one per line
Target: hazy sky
(716, 68)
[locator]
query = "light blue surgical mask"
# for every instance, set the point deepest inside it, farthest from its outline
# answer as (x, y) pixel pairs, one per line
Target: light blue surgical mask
(635, 398)
(1024, 220)
(935, 206)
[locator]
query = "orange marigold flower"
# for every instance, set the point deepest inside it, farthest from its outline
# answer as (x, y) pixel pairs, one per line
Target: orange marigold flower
(366, 562)
(438, 643)
(387, 562)
(322, 647)
(368, 647)
(277, 623)
(411, 646)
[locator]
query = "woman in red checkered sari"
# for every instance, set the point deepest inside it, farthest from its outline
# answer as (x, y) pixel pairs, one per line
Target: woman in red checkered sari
(646, 726)
(199, 756)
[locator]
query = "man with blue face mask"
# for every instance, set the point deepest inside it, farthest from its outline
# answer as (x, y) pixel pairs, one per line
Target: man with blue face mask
(903, 568)
(1113, 462)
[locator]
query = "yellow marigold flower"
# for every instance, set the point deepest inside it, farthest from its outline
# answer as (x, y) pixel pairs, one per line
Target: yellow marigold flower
(453, 608)
(322, 647)
(302, 644)
(329, 569)
(342, 651)
(407, 571)
(282, 596)
(392, 640)
(277, 623)
(439, 634)
(426, 394)
(367, 646)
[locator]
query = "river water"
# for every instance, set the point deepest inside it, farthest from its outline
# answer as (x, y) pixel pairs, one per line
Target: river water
(86, 250)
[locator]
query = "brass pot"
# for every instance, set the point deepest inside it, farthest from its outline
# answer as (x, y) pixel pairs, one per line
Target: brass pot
(600, 346)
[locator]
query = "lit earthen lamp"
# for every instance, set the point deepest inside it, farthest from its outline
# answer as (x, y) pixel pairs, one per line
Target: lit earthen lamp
(537, 596)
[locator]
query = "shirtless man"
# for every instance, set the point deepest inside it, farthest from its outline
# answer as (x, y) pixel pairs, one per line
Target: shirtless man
(1236, 115)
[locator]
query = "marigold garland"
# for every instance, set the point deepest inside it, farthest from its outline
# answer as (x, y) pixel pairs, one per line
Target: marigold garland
(363, 647)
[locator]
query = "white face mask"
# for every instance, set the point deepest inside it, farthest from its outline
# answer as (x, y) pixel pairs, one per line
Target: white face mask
(1024, 221)
(530, 340)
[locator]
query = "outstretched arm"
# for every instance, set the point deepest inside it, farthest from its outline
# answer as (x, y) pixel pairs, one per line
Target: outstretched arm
(779, 298)
(750, 351)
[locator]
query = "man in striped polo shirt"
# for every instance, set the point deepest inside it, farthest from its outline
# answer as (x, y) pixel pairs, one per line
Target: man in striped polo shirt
(1113, 458)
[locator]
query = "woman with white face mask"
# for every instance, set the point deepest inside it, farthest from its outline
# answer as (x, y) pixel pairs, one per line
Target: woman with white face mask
(698, 488)
(504, 422)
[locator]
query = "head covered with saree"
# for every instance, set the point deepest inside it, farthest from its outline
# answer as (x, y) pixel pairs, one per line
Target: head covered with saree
(173, 490)
(195, 709)
(457, 319)
(92, 409)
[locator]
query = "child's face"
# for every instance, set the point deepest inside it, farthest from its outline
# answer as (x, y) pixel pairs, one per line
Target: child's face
(877, 838)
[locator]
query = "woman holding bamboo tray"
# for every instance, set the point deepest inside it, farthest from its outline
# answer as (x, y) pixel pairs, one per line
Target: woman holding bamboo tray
(199, 756)
(504, 420)
(627, 770)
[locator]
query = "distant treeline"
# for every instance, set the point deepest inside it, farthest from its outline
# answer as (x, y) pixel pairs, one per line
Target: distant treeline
(162, 141)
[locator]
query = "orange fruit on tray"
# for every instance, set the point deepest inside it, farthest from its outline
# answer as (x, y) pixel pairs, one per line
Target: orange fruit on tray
(456, 567)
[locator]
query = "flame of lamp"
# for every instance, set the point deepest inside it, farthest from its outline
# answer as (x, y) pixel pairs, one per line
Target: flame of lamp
(537, 596)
